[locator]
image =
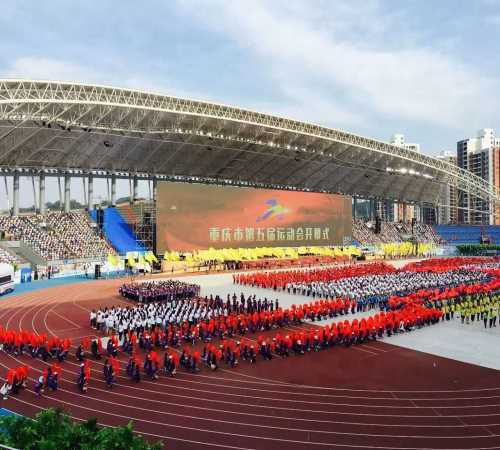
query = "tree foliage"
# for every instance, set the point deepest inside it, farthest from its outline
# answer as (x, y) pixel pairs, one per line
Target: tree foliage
(52, 429)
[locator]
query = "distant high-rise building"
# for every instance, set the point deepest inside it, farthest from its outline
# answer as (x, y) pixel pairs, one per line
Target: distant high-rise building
(481, 156)
(385, 210)
(403, 212)
(399, 140)
(448, 209)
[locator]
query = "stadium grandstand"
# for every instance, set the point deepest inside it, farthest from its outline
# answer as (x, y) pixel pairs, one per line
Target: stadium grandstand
(262, 241)
(70, 130)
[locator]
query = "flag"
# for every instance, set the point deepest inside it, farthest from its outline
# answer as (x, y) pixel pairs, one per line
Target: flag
(150, 257)
(113, 260)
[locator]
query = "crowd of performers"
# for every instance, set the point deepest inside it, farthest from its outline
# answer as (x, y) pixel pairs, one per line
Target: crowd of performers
(17, 378)
(278, 280)
(14, 381)
(19, 343)
(470, 305)
(223, 345)
(299, 342)
(446, 264)
(229, 346)
(482, 308)
(370, 287)
(177, 312)
(22, 342)
(160, 338)
(152, 291)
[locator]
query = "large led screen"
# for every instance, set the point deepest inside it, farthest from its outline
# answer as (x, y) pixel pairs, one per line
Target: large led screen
(196, 216)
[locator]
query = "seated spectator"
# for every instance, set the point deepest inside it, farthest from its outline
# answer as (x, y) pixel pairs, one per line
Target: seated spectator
(56, 235)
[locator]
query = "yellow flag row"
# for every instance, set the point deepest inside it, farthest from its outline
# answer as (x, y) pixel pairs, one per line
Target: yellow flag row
(407, 249)
(133, 259)
(113, 260)
(252, 254)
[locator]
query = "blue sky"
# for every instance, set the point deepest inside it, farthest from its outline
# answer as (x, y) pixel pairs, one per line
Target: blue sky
(428, 69)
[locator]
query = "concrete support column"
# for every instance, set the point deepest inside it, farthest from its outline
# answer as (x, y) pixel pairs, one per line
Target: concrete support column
(90, 192)
(67, 193)
(41, 193)
(113, 190)
(404, 212)
(135, 190)
(354, 203)
(15, 194)
(155, 188)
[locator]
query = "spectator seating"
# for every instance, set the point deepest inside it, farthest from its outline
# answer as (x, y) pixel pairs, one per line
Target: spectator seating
(468, 234)
(76, 231)
(459, 234)
(31, 230)
(56, 235)
(364, 232)
(424, 233)
(6, 257)
(493, 232)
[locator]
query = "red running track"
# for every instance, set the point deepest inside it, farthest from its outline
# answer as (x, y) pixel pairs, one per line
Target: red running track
(371, 396)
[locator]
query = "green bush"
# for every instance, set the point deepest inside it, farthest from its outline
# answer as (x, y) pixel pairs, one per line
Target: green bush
(478, 249)
(52, 429)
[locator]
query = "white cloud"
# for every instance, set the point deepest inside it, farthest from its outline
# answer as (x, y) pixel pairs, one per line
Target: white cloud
(302, 103)
(38, 68)
(50, 69)
(63, 70)
(316, 57)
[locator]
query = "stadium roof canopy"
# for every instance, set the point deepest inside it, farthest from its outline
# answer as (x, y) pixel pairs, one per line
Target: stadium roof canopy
(59, 127)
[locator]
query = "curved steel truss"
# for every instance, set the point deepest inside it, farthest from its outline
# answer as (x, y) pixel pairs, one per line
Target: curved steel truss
(54, 125)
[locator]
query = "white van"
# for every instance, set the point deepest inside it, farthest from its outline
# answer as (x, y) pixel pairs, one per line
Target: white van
(6, 278)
